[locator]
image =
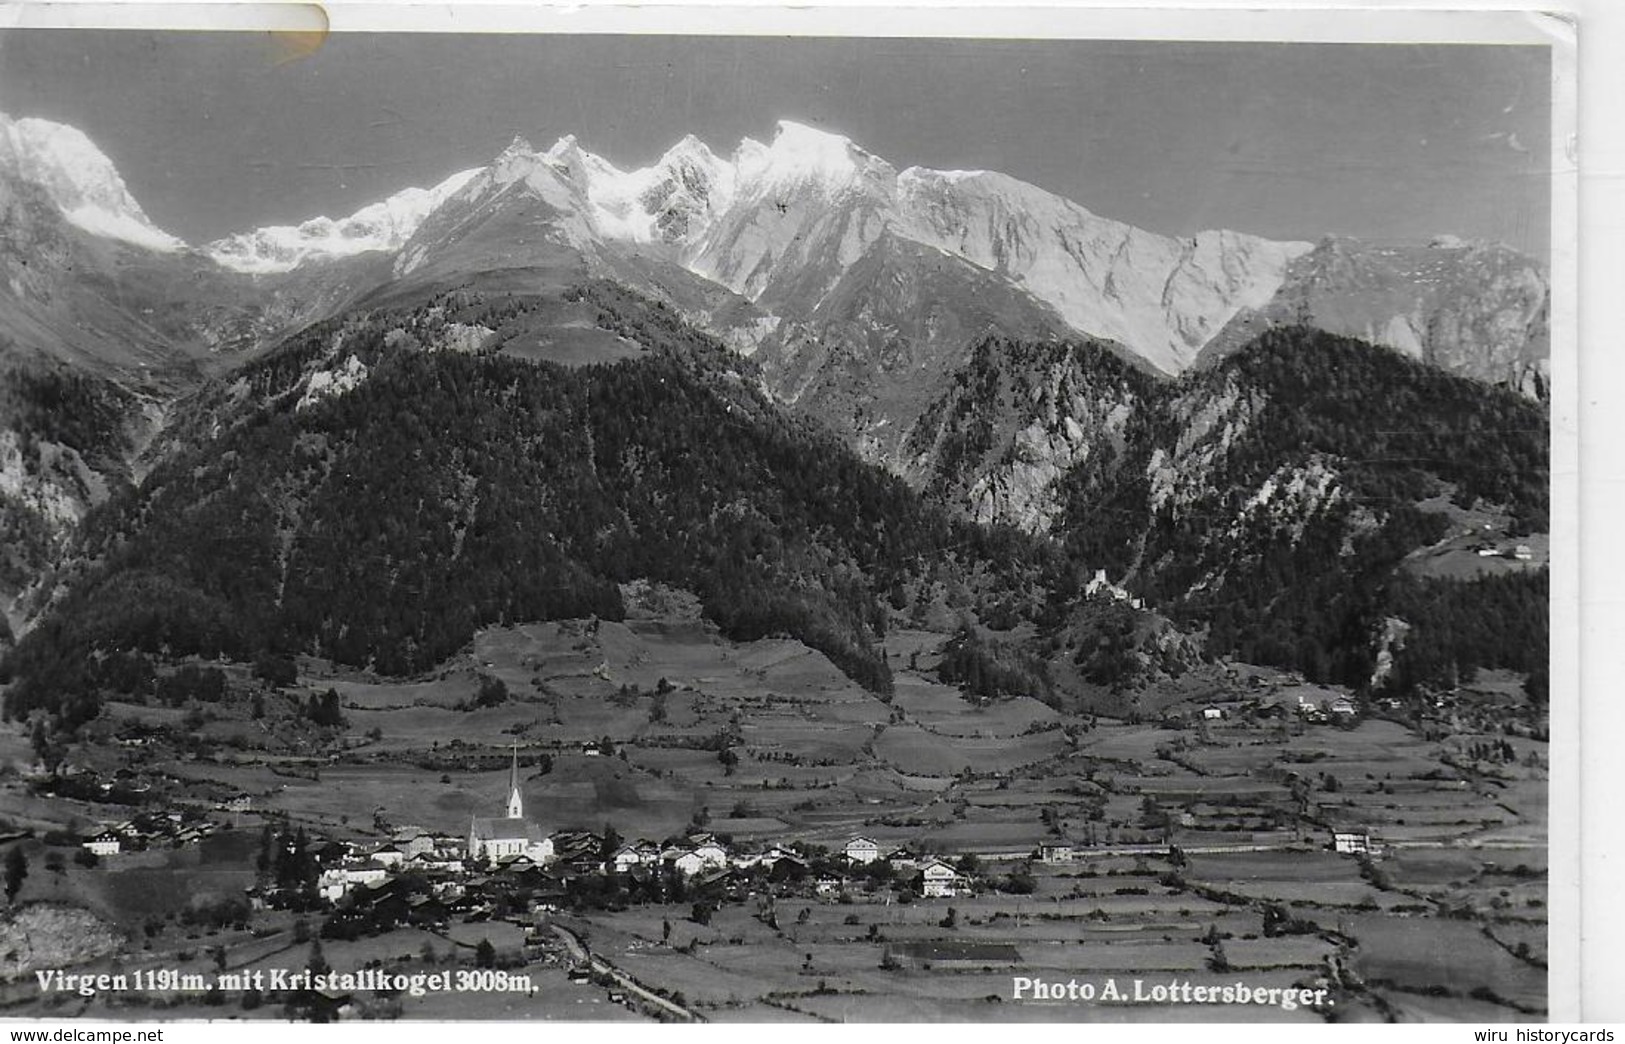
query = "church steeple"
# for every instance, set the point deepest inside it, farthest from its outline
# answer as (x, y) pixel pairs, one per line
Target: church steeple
(516, 803)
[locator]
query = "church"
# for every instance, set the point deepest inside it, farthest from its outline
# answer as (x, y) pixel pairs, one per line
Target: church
(491, 839)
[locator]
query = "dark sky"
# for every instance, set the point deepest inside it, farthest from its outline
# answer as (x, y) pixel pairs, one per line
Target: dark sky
(220, 132)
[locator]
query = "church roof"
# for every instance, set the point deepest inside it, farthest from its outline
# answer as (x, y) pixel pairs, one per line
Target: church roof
(503, 828)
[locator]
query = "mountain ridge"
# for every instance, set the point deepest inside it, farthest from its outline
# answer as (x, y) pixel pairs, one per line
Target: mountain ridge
(859, 291)
(778, 223)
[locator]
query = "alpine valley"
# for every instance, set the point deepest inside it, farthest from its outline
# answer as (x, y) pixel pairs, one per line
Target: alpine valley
(548, 430)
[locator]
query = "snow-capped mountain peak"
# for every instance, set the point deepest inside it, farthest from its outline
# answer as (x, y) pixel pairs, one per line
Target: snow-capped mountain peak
(669, 201)
(580, 166)
(80, 179)
(382, 226)
(519, 150)
(805, 156)
(688, 147)
(685, 191)
(562, 150)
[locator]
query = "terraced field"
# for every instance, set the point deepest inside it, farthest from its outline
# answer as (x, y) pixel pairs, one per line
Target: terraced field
(1202, 847)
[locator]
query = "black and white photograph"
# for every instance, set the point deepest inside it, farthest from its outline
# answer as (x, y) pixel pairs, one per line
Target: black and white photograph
(770, 527)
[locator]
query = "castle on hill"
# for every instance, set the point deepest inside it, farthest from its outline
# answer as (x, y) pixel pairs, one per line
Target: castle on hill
(492, 839)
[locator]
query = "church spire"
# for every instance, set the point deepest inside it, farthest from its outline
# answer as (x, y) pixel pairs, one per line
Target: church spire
(516, 804)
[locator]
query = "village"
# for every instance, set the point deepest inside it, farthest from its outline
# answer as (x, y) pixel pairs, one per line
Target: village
(417, 874)
(509, 870)
(510, 867)
(658, 824)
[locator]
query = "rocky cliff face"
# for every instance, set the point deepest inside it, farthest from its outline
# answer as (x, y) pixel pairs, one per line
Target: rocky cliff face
(1161, 296)
(1274, 494)
(1015, 419)
(1473, 309)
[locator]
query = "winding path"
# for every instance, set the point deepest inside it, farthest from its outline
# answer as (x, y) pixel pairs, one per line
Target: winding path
(581, 955)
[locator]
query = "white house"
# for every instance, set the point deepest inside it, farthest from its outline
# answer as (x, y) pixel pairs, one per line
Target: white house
(689, 863)
(625, 858)
(862, 850)
(828, 884)
(105, 843)
(1212, 713)
(436, 862)
(1055, 852)
(712, 854)
(332, 885)
(770, 857)
(1349, 842)
(415, 842)
(390, 856)
(638, 853)
(938, 880)
(368, 873)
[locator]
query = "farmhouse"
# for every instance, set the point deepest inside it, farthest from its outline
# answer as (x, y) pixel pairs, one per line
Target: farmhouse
(862, 850)
(427, 911)
(579, 851)
(192, 834)
(938, 880)
(514, 866)
(712, 881)
(772, 856)
(637, 853)
(390, 855)
(1342, 707)
(1056, 852)
(713, 855)
(105, 843)
(1349, 842)
(332, 884)
(686, 861)
(415, 842)
(828, 884)
(1212, 713)
(337, 882)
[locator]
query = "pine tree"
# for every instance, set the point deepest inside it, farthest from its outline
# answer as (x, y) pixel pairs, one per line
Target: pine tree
(16, 873)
